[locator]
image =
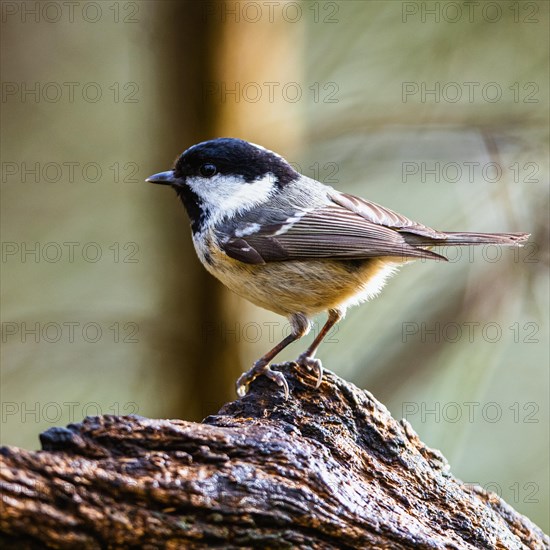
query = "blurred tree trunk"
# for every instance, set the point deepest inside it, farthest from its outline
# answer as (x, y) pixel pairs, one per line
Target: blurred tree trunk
(190, 42)
(245, 96)
(203, 98)
(208, 56)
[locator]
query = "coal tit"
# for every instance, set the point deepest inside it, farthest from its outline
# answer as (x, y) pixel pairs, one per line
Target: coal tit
(291, 244)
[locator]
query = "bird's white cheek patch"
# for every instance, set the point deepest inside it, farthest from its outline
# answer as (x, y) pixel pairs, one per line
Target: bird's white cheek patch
(229, 195)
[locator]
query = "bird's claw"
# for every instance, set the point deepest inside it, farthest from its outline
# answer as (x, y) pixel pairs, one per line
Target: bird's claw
(312, 364)
(259, 369)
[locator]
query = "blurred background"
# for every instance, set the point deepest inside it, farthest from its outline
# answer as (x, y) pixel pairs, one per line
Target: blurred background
(438, 110)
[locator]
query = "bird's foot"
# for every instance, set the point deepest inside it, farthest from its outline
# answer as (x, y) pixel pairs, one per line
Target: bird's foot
(261, 368)
(312, 364)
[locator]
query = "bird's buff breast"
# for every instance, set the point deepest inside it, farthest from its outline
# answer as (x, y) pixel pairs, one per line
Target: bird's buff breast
(306, 286)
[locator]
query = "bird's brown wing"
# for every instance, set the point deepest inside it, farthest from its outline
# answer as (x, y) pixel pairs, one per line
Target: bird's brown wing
(347, 229)
(381, 215)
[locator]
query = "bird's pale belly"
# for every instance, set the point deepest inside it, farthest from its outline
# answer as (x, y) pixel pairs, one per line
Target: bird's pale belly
(309, 287)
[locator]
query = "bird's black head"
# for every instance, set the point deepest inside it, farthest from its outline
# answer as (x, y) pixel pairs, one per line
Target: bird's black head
(234, 157)
(223, 175)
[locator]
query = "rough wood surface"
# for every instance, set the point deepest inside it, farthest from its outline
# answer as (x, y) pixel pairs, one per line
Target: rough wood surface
(329, 468)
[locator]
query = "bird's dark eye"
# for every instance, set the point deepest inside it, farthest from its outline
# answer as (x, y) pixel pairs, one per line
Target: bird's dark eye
(208, 170)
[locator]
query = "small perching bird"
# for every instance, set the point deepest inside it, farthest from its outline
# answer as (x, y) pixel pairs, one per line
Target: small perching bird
(291, 244)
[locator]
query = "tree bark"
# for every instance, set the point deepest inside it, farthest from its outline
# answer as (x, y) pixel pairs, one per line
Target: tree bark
(329, 468)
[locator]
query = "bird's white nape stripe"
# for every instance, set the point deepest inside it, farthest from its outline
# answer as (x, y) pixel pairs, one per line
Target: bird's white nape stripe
(227, 196)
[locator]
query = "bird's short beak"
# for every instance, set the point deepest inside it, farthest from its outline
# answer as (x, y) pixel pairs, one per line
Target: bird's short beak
(163, 178)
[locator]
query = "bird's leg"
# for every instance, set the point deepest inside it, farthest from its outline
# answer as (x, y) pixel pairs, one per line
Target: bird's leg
(308, 359)
(300, 327)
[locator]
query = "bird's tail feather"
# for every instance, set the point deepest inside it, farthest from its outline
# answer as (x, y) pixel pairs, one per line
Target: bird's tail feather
(461, 239)
(505, 239)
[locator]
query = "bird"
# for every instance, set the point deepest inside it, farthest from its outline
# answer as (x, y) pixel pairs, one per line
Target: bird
(293, 245)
